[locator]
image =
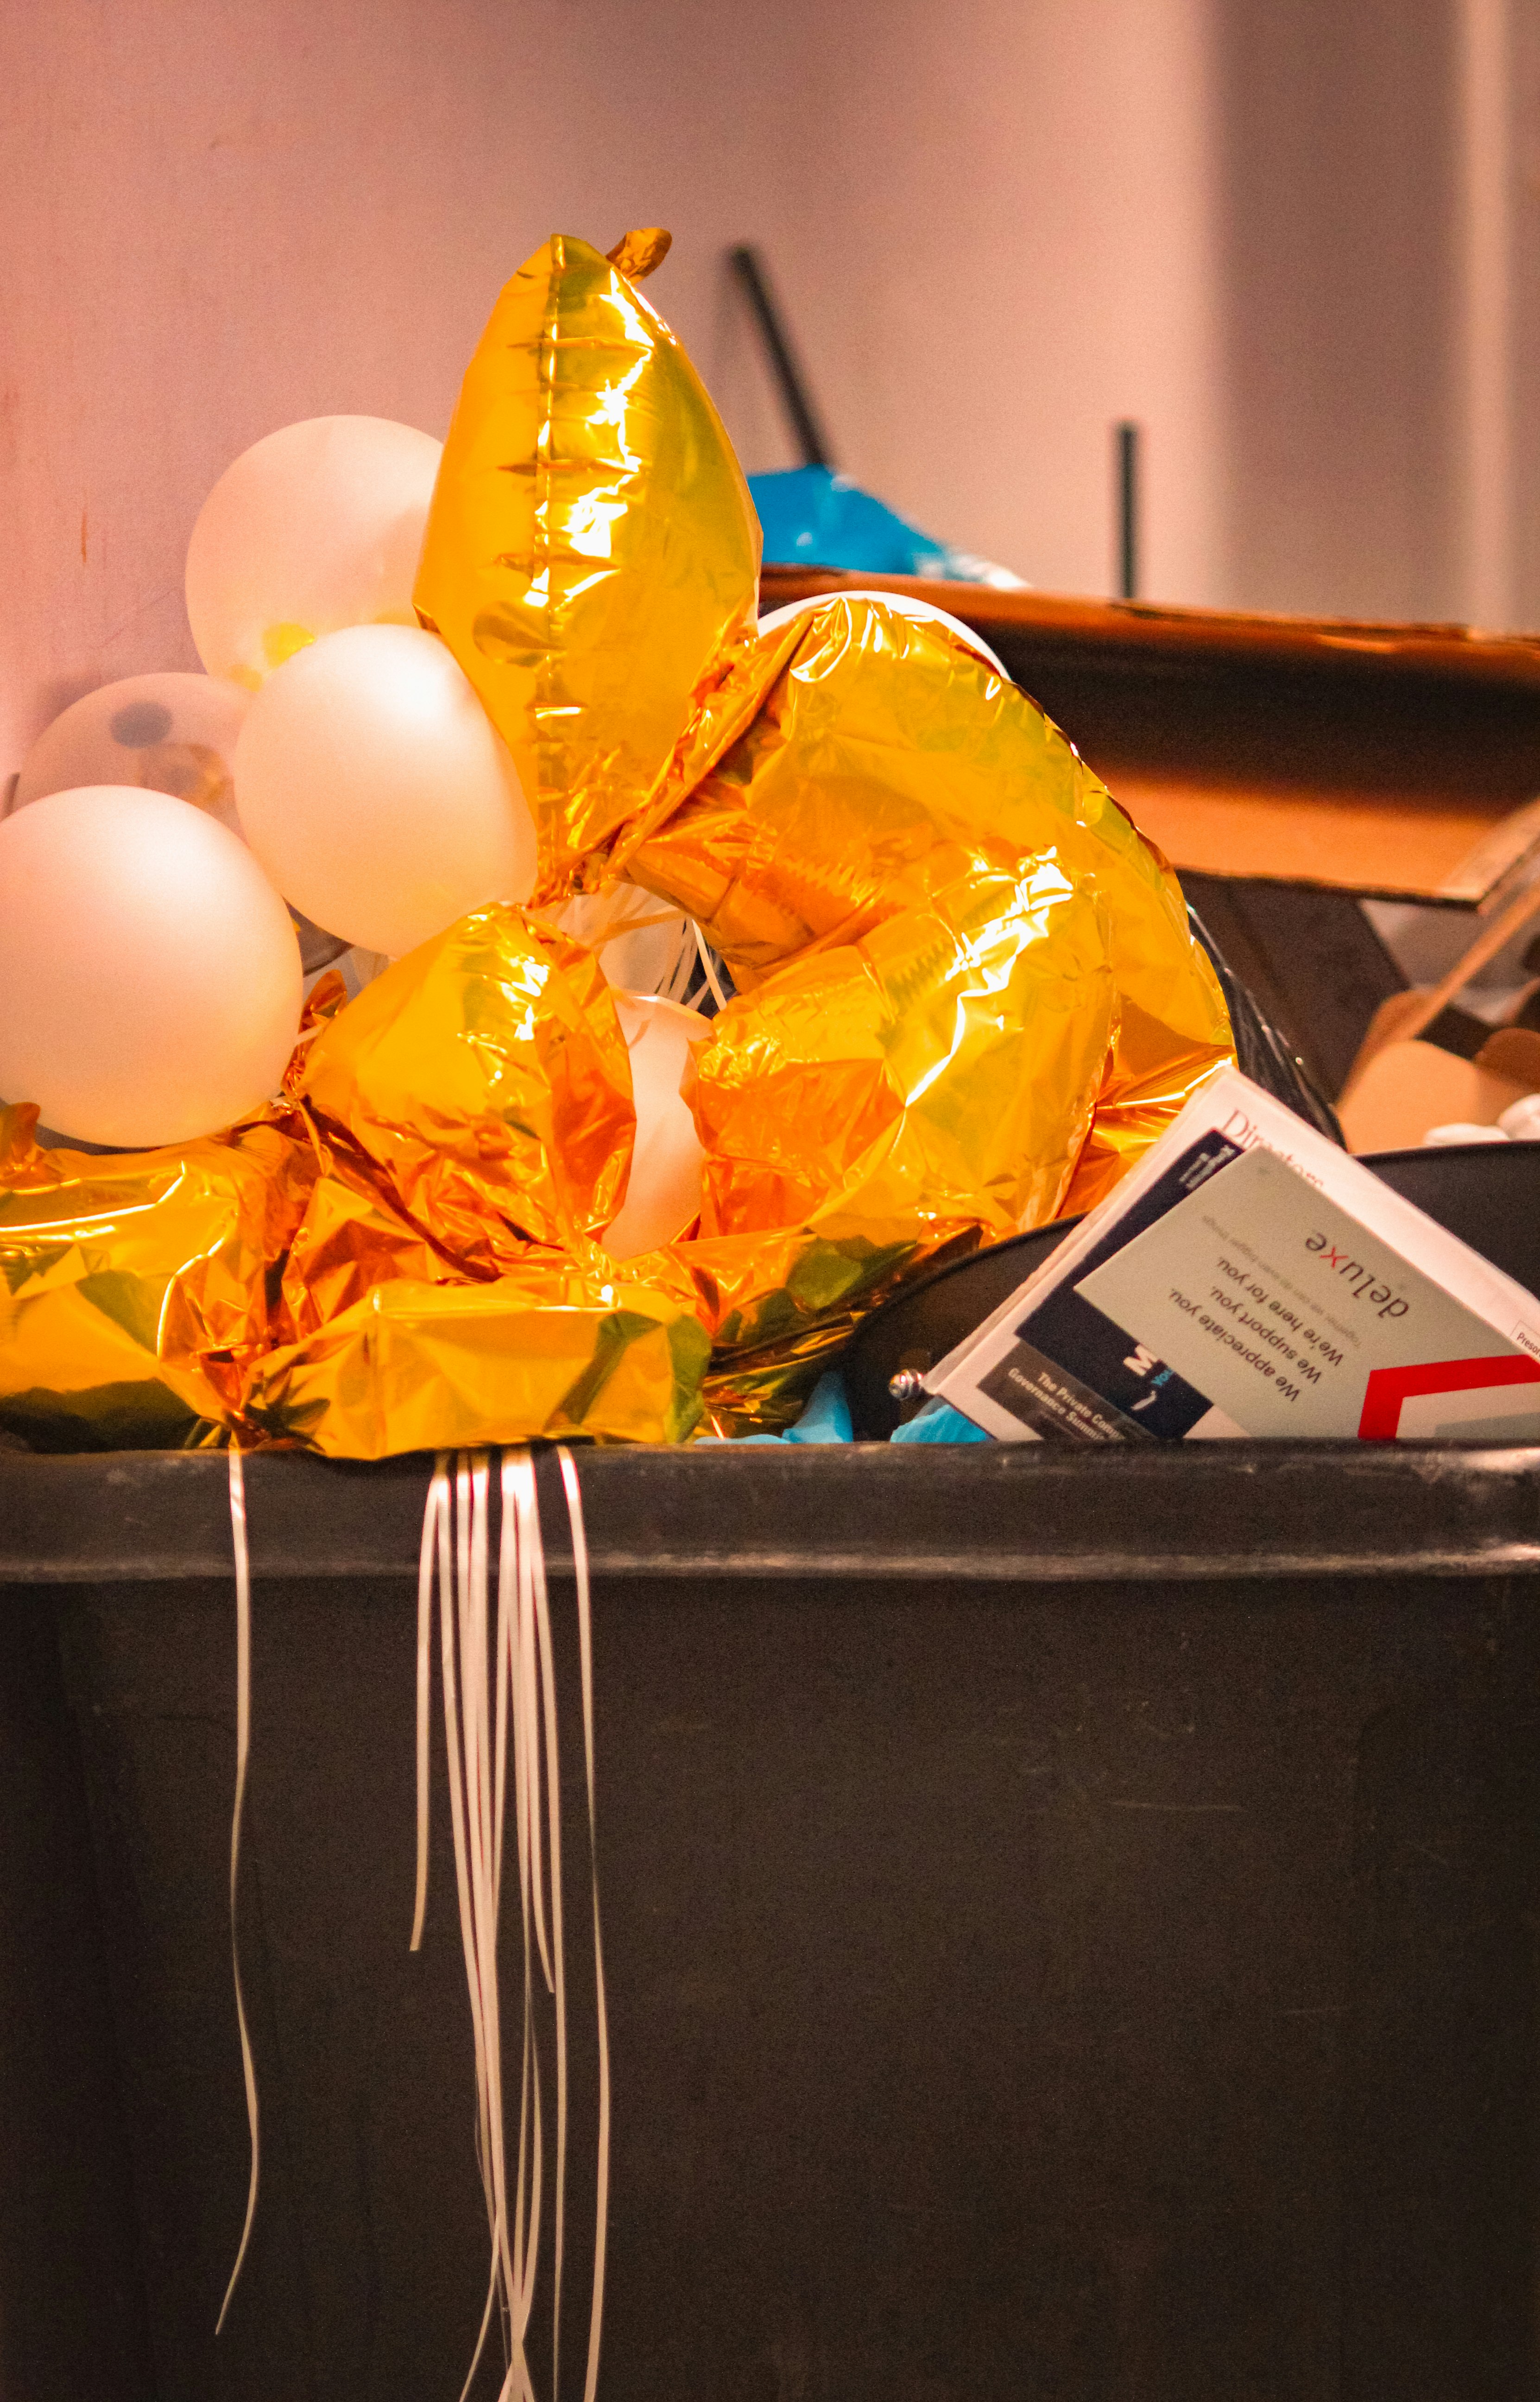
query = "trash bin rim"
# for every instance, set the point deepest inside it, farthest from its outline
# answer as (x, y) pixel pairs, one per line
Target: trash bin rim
(1007, 1514)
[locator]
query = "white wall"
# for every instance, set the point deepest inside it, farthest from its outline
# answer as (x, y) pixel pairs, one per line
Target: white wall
(220, 217)
(1002, 242)
(1340, 220)
(1278, 232)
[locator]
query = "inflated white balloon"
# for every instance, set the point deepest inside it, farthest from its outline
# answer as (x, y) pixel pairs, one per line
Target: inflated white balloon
(314, 528)
(169, 733)
(149, 976)
(663, 1192)
(376, 793)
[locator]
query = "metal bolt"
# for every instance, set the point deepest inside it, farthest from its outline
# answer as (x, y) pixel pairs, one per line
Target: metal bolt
(907, 1385)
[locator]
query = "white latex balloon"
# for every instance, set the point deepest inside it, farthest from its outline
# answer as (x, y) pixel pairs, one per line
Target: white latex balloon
(664, 1192)
(314, 528)
(376, 793)
(169, 733)
(149, 975)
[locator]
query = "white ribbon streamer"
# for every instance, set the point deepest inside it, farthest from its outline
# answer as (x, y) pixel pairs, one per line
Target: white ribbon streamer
(242, 1755)
(585, 1651)
(499, 1684)
(501, 1722)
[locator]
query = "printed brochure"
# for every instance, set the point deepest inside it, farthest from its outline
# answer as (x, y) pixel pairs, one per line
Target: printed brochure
(1250, 1279)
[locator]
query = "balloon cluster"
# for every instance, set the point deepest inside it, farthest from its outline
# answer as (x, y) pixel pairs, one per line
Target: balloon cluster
(507, 714)
(333, 757)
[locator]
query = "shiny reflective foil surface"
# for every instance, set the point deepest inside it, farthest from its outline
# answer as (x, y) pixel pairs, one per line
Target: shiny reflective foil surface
(544, 1350)
(136, 1289)
(485, 1079)
(592, 553)
(967, 998)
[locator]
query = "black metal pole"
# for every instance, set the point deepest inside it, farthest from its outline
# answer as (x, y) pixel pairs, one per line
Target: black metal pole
(749, 269)
(1127, 436)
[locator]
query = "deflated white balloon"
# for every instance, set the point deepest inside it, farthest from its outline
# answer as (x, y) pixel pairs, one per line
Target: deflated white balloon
(376, 793)
(169, 733)
(316, 526)
(149, 976)
(664, 1194)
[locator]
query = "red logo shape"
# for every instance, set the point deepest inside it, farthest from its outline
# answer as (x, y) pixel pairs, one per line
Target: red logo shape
(1388, 1388)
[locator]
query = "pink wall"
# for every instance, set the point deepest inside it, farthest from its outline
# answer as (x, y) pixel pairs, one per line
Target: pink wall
(1338, 208)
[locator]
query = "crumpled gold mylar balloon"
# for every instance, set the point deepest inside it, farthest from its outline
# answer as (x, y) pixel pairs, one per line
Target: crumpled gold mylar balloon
(967, 994)
(135, 1296)
(547, 1349)
(592, 553)
(350, 1241)
(473, 1122)
(968, 997)
(485, 1079)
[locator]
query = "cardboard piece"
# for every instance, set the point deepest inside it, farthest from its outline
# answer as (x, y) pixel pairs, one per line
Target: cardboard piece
(1407, 1088)
(1512, 1051)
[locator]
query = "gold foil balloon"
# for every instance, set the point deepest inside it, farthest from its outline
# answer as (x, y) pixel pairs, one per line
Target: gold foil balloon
(484, 1080)
(169, 733)
(967, 998)
(663, 1193)
(968, 994)
(550, 1348)
(592, 554)
(150, 979)
(134, 1290)
(315, 527)
(375, 791)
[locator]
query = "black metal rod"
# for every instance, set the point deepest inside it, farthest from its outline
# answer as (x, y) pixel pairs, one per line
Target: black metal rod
(749, 269)
(1127, 436)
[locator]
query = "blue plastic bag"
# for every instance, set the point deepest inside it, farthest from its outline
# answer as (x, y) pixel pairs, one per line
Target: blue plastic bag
(938, 1422)
(826, 1419)
(812, 517)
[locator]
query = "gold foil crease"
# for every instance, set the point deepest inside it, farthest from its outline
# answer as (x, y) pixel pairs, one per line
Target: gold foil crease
(591, 554)
(350, 1241)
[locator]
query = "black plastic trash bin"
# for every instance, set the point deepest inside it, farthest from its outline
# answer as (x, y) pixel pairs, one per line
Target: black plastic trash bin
(1069, 1921)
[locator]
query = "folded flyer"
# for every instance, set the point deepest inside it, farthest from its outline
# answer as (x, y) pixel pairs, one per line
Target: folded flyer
(1250, 1279)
